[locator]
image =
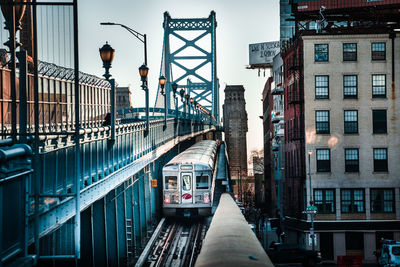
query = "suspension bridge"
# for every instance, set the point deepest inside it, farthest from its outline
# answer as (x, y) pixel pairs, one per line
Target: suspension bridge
(69, 189)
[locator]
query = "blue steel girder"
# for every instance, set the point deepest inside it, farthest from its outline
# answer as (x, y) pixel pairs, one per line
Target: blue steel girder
(206, 91)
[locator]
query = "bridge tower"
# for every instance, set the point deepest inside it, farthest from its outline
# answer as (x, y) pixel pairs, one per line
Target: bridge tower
(189, 59)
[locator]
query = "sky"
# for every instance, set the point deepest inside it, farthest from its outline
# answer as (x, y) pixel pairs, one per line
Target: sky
(239, 23)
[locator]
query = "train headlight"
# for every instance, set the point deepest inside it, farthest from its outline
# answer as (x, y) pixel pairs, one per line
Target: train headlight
(206, 198)
(167, 198)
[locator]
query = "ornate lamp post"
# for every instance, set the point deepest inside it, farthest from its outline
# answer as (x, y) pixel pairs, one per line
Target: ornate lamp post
(182, 94)
(187, 96)
(162, 80)
(312, 210)
(143, 71)
(191, 104)
(139, 36)
(174, 88)
(107, 56)
(196, 108)
(13, 14)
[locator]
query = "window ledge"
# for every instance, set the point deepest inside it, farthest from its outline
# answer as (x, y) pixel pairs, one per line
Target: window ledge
(357, 172)
(385, 172)
(380, 133)
(351, 134)
(379, 98)
(378, 60)
(324, 172)
(317, 99)
(319, 62)
(350, 98)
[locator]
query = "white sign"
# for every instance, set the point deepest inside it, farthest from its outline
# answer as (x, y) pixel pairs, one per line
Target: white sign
(310, 240)
(263, 53)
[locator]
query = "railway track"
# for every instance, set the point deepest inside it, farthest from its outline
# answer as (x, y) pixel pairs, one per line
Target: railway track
(177, 244)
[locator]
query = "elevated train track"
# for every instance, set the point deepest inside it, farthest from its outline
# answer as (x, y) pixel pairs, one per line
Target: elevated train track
(176, 243)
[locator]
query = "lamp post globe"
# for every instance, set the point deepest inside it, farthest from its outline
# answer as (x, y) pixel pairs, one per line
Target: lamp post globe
(107, 56)
(174, 87)
(162, 80)
(143, 71)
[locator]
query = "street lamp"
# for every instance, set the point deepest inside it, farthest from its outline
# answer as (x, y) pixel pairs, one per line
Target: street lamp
(162, 80)
(174, 88)
(107, 56)
(312, 210)
(196, 107)
(309, 152)
(139, 36)
(143, 71)
(191, 104)
(187, 96)
(13, 11)
(182, 93)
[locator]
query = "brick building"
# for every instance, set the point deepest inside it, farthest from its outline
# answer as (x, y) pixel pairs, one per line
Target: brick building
(235, 125)
(341, 111)
(294, 153)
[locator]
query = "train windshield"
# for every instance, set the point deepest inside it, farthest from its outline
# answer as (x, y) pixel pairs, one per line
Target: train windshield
(202, 182)
(171, 182)
(186, 182)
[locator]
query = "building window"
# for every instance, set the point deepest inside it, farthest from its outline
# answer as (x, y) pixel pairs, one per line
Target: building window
(350, 86)
(321, 52)
(324, 199)
(380, 160)
(322, 121)
(382, 201)
(379, 85)
(352, 200)
(350, 52)
(351, 160)
(379, 121)
(378, 51)
(323, 160)
(350, 121)
(321, 86)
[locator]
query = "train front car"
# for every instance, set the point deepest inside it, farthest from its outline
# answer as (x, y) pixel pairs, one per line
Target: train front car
(188, 181)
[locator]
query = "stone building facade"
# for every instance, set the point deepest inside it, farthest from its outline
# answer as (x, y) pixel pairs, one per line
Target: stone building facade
(352, 129)
(235, 125)
(123, 98)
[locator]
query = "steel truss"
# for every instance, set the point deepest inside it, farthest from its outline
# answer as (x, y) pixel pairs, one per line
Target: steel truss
(205, 92)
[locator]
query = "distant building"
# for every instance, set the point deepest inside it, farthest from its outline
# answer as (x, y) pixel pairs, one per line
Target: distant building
(286, 26)
(269, 184)
(235, 125)
(123, 98)
(278, 133)
(258, 172)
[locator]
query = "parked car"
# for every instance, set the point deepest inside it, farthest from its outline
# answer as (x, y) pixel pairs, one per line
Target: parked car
(389, 255)
(285, 253)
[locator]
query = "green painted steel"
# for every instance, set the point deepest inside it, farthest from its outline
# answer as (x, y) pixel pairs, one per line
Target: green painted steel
(204, 89)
